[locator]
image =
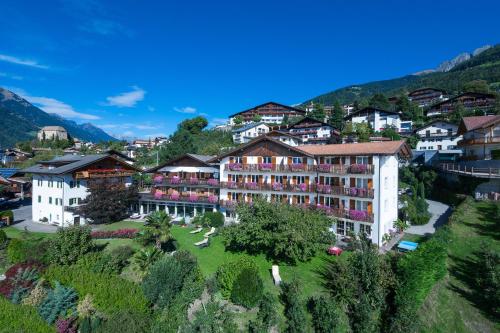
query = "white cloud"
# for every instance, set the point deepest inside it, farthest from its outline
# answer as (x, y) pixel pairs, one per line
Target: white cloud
(52, 105)
(187, 109)
(24, 62)
(127, 99)
(11, 76)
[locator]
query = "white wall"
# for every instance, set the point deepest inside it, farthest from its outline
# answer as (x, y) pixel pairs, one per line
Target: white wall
(438, 137)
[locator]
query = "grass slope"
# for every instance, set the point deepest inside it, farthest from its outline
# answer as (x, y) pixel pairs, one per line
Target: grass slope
(453, 305)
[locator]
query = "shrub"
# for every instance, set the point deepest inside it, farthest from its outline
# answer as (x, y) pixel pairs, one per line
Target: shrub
(145, 258)
(36, 296)
(70, 244)
(3, 239)
(59, 302)
(267, 317)
(111, 293)
(214, 219)
(327, 316)
(24, 250)
(126, 321)
(99, 262)
(294, 309)
(21, 318)
(19, 279)
(9, 214)
(247, 288)
(86, 307)
(212, 318)
(67, 325)
(122, 254)
(488, 278)
(228, 272)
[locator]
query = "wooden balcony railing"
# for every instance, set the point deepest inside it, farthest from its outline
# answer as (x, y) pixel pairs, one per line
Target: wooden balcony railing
(479, 141)
(366, 169)
(290, 168)
(103, 173)
(268, 187)
(173, 181)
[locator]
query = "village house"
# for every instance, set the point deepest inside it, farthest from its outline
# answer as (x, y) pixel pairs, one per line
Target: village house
(481, 137)
(426, 96)
(249, 132)
(471, 101)
(269, 113)
(377, 118)
(438, 135)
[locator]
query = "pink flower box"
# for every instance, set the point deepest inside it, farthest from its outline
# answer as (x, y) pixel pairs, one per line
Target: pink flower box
(193, 197)
(231, 184)
(324, 167)
(358, 215)
(278, 187)
(265, 166)
(193, 181)
(158, 179)
(353, 192)
(303, 187)
(235, 166)
(175, 180)
(158, 195)
(251, 185)
(358, 168)
(298, 167)
(213, 182)
(213, 199)
(174, 196)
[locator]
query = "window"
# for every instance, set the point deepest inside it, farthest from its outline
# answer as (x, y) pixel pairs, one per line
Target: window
(238, 159)
(78, 183)
(361, 159)
(300, 179)
(267, 159)
(50, 200)
(349, 228)
(278, 179)
(59, 184)
(254, 178)
(51, 183)
(362, 205)
(71, 184)
(39, 199)
(361, 182)
(365, 229)
(341, 227)
(39, 182)
(296, 160)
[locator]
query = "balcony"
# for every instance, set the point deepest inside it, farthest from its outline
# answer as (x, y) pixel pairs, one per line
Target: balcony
(179, 197)
(103, 173)
(346, 191)
(478, 141)
(278, 187)
(269, 167)
(177, 181)
(438, 135)
(363, 169)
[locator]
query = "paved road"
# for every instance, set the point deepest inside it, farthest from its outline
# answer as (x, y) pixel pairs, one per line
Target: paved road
(440, 214)
(22, 219)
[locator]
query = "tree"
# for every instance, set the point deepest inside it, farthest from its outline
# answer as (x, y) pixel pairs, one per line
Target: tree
(69, 245)
(283, 232)
(211, 318)
(267, 317)
(337, 118)
(478, 86)
(327, 315)
(294, 308)
(194, 125)
(285, 120)
(257, 118)
(158, 227)
(379, 101)
(318, 112)
(390, 132)
(108, 202)
(238, 120)
(145, 258)
(247, 288)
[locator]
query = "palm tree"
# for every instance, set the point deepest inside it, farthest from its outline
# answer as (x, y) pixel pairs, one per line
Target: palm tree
(158, 225)
(145, 258)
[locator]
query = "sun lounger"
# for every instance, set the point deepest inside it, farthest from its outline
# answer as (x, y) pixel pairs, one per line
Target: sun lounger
(276, 275)
(211, 232)
(196, 230)
(204, 242)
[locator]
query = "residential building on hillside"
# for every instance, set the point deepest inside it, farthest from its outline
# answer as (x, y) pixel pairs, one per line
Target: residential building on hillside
(60, 185)
(183, 187)
(481, 137)
(376, 118)
(12, 156)
(249, 132)
(52, 132)
(471, 102)
(285, 137)
(139, 143)
(313, 131)
(438, 135)
(270, 113)
(406, 127)
(357, 184)
(426, 96)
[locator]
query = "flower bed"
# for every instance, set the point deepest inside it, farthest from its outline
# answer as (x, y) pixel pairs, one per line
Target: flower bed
(120, 233)
(212, 182)
(265, 166)
(235, 166)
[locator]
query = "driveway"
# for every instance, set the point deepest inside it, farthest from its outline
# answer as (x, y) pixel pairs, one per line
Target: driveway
(440, 214)
(23, 220)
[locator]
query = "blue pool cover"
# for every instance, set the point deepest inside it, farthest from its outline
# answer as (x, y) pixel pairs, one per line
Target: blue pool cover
(407, 246)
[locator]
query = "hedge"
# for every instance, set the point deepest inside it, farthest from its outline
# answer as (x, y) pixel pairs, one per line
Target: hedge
(21, 318)
(111, 294)
(9, 214)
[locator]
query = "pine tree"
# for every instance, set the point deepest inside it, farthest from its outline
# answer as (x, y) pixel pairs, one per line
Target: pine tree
(294, 309)
(337, 118)
(59, 302)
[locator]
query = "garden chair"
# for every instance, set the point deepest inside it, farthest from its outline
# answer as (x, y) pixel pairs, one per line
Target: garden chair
(276, 275)
(202, 243)
(211, 232)
(196, 230)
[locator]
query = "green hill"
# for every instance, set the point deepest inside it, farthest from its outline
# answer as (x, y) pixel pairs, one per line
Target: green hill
(485, 66)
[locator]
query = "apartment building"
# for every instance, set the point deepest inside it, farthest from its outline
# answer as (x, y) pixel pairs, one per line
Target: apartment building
(60, 185)
(471, 101)
(249, 132)
(313, 131)
(357, 184)
(438, 135)
(376, 118)
(481, 137)
(183, 187)
(269, 113)
(426, 96)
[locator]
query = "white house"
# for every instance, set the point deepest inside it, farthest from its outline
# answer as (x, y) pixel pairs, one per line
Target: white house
(438, 135)
(376, 118)
(313, 131)
(249, 132)
(481, 137)
(356, 184)
(60, 185)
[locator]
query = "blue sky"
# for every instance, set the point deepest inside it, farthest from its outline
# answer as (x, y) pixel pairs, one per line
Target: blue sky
(137, 68)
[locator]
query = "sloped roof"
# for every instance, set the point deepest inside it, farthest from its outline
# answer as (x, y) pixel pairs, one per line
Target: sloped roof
(426, 88)
(204, 159)
(247, 127)
(8, 172)
(369, 109)
(363, 148)
(472, 123)
(53, 128)
(432, 123)
(291, 108)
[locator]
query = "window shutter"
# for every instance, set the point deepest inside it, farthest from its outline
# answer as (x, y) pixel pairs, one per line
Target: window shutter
(307, 199)
(273, 160)
(231, 159)
(321, 200)
(289, 160)
(259, 159)
(244, 160)
(272, 179)
(370, 208)
(353, 182)
(370, 183)
(321, 179)
(352, 204)
(321, 160)
(370, 160)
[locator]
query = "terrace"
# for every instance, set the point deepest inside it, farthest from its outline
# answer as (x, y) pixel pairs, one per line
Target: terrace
(208, 198)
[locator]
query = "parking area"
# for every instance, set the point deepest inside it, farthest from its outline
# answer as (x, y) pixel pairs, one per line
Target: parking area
(23, 220)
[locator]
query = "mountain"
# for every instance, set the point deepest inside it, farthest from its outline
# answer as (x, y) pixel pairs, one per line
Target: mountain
(482, 64)
(21, 121)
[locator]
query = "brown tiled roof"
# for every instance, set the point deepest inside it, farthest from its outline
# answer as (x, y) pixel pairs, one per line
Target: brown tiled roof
(364, 148)
(472, 123)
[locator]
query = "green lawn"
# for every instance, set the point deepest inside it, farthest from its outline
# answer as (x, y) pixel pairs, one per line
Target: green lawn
(211, 257)
(16, 233)
(452, 306)
(414, 238)
(125, 224)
